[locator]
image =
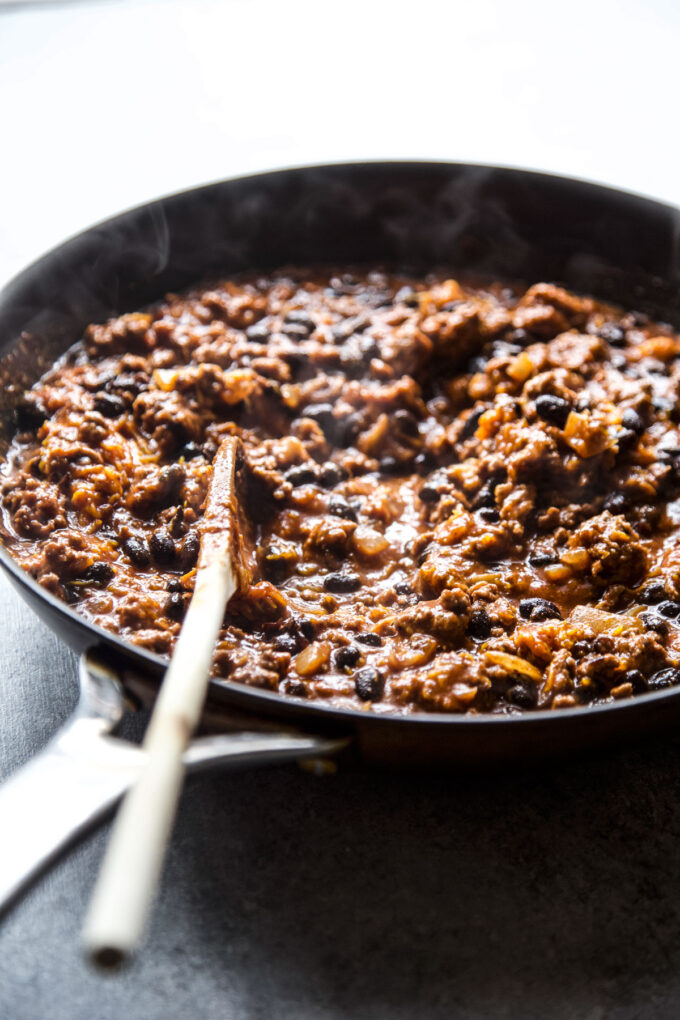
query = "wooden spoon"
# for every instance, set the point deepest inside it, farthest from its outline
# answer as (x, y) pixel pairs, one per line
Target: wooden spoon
(134, 858)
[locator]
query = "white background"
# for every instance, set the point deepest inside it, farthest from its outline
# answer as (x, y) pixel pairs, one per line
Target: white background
(104, 105)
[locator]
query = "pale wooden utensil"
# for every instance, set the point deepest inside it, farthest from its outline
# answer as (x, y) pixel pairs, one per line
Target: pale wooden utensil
(134, 858)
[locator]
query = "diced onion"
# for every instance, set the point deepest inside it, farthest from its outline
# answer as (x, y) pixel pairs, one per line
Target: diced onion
(415, 652)
(599, 621)
(369, 542)
(513, 664)
(312, 658)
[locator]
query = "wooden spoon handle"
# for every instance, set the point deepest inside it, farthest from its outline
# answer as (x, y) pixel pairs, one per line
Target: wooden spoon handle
(134, 857)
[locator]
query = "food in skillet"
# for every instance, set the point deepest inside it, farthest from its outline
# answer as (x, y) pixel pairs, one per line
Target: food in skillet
(464, 499)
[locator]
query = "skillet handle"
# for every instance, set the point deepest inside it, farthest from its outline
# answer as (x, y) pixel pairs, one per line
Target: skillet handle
(62, 792)
(53, 799)
(83, 772)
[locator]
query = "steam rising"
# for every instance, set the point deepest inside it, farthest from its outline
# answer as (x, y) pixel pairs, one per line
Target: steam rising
(421, 216)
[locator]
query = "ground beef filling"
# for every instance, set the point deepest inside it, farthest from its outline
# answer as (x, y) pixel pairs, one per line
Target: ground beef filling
(465, 498)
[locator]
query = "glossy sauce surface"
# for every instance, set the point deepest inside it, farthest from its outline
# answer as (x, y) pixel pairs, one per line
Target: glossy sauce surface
(462, 498)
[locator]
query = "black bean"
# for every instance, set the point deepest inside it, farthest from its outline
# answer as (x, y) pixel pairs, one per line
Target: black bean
(136, 550)
(301, 318)
(177, 523)
(369, 638)
(352, 361)
(162, 546)
(630, 419)
(580, 648)
(346, 657)
(406, 422)
(342, 582)
(490, 515)
(390, 466)
(30, 413)
(653, 593)
(406, 296)
(668, 454)
(424, 463)
(171, 480)
(612, 333)
(670, 478)
(349, 428)
(179, 432)
(637, 680)
(369, 349)
(293, 686)
(664, 678)
(662, 404)
(485, 496)
(553, 410)
(191, 450)
(173, 477)
(174, 607)
(669, 609)
(652, 621)
(294, 331)
(586, 691)
(471, 423)
(296, 358)
(109, 404)
(129, 382)
(538, 610)
(520, 337)
(627, 440)
(428, 494)
(100, 574)
(330, 474)
(523, 695)
(302, 474)
(305, 627)
(616, 503)
(190, 550)
(286, 643)
(403, 588)
(369, 683)
(342, 331)
(278, 560)
(259, 331)
(479, 625)
(174, 584)
(501, 349)
(323, 415)
(542, 559)
(341, 508)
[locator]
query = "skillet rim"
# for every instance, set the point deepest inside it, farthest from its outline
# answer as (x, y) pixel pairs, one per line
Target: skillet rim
(17, 277)
(243, 693)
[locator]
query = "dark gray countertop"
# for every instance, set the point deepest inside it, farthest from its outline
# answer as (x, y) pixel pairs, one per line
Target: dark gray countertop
(287, 895)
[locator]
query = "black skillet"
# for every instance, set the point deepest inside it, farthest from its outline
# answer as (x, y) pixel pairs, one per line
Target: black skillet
(491, 220)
